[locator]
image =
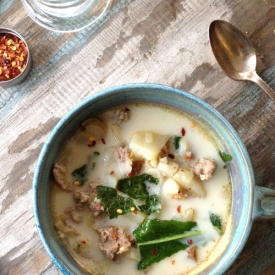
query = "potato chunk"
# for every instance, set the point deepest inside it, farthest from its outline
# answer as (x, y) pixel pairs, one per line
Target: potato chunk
(185, 216)
(167, 167)
(184, 177)
(170, 187)
(147, 144)
(91, 130)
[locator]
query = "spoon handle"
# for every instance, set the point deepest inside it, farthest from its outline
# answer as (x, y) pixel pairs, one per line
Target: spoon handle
(259, 81)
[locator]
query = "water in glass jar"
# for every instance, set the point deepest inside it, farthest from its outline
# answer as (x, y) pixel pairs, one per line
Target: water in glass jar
(66, 8)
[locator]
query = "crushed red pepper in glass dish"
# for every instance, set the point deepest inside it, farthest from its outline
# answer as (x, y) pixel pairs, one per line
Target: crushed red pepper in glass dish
(15, 59)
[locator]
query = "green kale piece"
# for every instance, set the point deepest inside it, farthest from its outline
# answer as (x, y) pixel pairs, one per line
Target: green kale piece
(135, 186)
(216, 221)
(156, 230)
(154, 253)
(113, 204)
(80, 174)
(151, 205)
(225, 157)
(158, 239)
(177, 141)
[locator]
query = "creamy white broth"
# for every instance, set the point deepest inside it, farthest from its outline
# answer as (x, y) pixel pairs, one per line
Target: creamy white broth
(162, 121)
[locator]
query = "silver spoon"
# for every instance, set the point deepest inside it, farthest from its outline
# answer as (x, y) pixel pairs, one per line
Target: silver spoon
(235, 54)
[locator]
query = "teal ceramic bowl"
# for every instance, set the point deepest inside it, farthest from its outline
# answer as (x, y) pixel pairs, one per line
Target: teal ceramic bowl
(248, 201)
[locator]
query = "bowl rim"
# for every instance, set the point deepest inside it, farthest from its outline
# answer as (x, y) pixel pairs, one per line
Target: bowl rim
(247, 223)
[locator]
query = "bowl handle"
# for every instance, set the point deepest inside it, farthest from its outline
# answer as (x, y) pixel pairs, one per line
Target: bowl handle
(264, 203)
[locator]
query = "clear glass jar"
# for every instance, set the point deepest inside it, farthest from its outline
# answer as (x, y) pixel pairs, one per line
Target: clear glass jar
(66, 15)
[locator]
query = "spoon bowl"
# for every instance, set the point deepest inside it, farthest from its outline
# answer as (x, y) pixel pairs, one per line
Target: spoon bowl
(235, 54)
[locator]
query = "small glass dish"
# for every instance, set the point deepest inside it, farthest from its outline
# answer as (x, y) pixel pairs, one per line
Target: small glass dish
(66, 15)
(15, 58)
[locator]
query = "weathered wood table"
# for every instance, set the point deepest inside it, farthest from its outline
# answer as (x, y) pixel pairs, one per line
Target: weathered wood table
(160, 41)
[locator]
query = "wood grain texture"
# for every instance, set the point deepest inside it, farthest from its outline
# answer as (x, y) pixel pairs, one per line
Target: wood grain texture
(160, 41)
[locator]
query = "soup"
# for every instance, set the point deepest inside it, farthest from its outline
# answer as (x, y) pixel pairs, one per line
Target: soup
(142, 189)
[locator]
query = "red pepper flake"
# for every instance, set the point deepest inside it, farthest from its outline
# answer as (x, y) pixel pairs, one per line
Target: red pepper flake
(98, 206)
(130, 175)
(188, 155)
(179, 208)
(171, 156)
(189, 242)
(135, 212)
(83, 242)
(103, 141)
(149, 187)
(183, 132)
(92, 144)
(13, 56)
(112, 172)
(155, 252)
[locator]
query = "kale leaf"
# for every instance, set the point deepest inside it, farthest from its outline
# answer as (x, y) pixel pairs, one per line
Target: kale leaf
(177, 141)
(151, 205)
(156, 231)
(225, 157)
(216, 221)
(80, 174)
(154, 253)
(113, 204)
(135, 186)
(158, 239)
